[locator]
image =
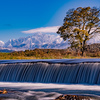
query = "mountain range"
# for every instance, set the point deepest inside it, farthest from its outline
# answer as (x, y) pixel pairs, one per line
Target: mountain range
(39, 40)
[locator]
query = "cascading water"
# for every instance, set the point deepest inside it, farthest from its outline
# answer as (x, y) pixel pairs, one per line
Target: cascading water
(39, 79)
(43, 72)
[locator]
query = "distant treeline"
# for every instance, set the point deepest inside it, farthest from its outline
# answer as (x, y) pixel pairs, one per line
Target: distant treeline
(92, 50)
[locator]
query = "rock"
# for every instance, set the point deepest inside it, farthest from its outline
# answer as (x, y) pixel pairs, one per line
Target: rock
(72, 97)
(3, 92)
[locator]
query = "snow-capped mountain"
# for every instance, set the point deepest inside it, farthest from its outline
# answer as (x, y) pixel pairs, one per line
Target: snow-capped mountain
(37, 41)
(1, 43)
(95, 39)
(40, 40)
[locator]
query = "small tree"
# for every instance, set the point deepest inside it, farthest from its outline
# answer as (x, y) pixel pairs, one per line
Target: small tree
(80, 25)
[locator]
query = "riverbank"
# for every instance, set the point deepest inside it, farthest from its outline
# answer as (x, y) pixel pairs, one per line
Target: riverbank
(48, 54)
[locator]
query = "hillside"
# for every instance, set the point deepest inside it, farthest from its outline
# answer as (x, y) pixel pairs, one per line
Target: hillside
(93, 48)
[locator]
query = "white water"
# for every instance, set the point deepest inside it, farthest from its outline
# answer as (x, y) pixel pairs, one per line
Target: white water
(49, 91)
(50, 86)
(48, 79)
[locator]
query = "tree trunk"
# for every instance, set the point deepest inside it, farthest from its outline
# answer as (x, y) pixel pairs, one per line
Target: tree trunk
(82, 52)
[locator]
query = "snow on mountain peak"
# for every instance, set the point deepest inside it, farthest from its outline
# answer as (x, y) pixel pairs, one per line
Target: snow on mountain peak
(95, 39)
(1, 43)
(40, 40)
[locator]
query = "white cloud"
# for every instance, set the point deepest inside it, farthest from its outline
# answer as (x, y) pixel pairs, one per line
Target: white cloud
(52, 29)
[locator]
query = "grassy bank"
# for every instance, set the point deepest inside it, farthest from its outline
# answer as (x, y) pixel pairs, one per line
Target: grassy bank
(47, 54)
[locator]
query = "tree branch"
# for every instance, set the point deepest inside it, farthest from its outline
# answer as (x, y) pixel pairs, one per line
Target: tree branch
(94, 31)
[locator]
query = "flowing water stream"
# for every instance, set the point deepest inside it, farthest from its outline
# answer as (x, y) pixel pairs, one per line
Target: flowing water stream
(47, 79)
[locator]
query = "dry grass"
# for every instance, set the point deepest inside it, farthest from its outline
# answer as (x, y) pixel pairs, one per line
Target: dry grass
(53, 54)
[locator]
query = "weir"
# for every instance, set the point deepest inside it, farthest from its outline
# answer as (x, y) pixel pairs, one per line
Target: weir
(67, 71)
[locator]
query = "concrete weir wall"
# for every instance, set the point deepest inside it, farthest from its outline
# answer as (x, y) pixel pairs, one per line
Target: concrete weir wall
(73, 71)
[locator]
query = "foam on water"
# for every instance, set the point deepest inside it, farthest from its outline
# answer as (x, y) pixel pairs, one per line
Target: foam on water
(48, 91)
(47, 79)
(50, 86)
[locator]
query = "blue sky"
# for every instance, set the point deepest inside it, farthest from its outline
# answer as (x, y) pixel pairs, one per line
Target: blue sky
(18, 16)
